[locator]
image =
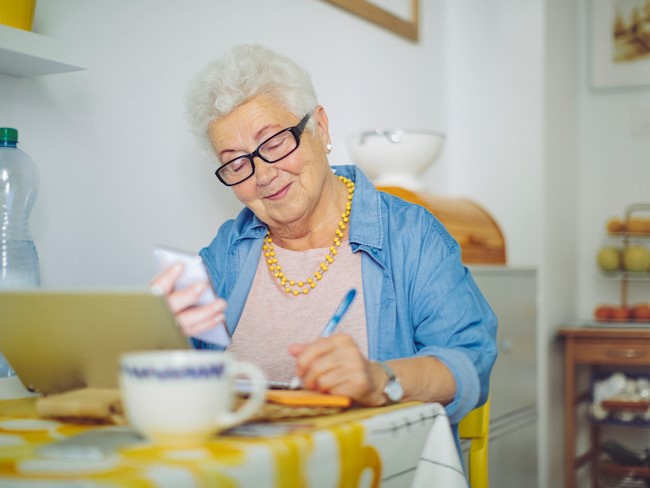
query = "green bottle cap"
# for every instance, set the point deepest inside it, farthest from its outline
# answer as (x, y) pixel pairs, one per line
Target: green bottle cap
(7, 134)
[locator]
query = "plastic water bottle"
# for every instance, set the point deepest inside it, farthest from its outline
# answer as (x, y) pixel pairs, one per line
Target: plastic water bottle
(18, 188)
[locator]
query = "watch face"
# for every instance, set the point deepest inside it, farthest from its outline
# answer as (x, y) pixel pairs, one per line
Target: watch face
(394, 391)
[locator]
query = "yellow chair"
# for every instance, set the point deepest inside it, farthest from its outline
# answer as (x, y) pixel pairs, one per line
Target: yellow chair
(475, 427)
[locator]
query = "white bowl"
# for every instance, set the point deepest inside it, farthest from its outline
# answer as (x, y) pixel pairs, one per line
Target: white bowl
(395, 156)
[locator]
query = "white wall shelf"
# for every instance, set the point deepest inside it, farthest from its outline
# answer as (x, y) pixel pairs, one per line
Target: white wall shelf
(24, 54)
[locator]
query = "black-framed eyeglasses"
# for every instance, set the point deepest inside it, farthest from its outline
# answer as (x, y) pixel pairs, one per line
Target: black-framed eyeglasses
(272, 150)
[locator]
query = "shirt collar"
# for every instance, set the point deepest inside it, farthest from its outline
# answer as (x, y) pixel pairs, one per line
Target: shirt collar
(366, 223)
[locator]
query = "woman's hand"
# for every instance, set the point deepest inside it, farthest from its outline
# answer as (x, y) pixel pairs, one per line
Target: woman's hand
(336, 365)
(191, 318)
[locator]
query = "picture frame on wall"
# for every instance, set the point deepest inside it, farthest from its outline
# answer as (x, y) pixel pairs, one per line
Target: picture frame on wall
(620, 42)
(398, 16)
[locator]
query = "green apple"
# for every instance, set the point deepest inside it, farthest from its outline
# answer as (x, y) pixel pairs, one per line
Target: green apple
(609, 259)
(636, 258)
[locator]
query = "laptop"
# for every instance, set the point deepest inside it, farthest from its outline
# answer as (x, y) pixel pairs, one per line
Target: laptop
(57, 341)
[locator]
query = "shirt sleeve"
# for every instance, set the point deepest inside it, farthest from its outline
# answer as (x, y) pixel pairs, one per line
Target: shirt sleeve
(452, 321)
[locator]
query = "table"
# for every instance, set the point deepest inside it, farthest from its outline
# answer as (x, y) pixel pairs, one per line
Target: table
(400, 445)
(591, 346)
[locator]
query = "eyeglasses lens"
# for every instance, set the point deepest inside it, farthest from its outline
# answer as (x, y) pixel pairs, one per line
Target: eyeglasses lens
(278, 146)
(236, 171)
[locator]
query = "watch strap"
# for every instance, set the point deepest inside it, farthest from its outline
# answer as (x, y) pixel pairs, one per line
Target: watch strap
(393, 389)
(388, 370)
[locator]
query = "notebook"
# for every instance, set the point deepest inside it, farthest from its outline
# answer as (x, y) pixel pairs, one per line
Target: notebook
(59, 340)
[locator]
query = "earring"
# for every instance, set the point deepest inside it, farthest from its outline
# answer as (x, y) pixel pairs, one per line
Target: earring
(329, 148)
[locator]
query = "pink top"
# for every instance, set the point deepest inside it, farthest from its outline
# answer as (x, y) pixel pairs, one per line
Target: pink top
(272, 319)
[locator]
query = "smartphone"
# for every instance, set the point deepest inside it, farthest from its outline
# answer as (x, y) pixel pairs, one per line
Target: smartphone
(92, 445)
(193, 272)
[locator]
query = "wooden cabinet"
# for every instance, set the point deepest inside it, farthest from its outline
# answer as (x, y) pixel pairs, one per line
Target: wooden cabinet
(588, 347)
(623, 351)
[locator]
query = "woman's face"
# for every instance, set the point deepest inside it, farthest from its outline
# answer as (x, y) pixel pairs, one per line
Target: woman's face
(284, 193)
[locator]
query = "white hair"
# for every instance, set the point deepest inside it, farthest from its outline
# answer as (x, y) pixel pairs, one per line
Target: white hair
(244, 72)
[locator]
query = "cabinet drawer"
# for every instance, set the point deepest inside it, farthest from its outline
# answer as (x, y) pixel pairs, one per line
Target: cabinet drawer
(613, 352)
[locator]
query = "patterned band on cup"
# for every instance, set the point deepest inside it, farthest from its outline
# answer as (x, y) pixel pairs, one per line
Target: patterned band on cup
(174, 373)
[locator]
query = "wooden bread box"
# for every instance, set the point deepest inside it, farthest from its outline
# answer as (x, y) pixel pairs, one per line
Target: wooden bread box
(478, 234)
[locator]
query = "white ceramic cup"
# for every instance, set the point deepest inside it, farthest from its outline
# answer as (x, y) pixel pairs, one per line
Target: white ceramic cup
(183, 398)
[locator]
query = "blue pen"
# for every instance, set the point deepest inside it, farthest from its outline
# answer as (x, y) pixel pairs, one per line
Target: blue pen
(340, 311)
(296, 382)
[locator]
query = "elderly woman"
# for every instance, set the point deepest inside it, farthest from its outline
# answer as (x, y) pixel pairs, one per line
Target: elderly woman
(419, 328)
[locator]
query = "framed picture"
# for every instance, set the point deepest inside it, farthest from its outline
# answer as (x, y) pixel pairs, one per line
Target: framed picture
(398, 16)
(620, 38)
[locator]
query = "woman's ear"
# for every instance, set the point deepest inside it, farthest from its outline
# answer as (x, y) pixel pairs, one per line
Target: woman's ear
(322, 125)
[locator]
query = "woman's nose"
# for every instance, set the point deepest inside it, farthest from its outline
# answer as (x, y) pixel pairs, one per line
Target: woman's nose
(264, 172)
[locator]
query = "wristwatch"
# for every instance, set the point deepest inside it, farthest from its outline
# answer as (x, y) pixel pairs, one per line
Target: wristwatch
(393, 389)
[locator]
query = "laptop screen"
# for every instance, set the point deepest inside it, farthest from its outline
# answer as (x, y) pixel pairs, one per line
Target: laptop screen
(62, 340)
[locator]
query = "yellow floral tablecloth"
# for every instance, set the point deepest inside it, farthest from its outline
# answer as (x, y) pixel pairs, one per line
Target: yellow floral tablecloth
(400, 445)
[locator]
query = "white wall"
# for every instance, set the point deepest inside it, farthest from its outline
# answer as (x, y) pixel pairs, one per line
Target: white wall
(561, 182)
(495, 148)
(120, 172)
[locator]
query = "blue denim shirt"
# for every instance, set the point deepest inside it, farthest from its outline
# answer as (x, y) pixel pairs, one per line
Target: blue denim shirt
(420, 300)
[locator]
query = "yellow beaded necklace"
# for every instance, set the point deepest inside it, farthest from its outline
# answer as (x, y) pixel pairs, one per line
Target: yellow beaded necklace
(303, 287)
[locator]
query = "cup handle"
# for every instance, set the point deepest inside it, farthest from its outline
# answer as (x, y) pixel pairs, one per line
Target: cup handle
(255, 399)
